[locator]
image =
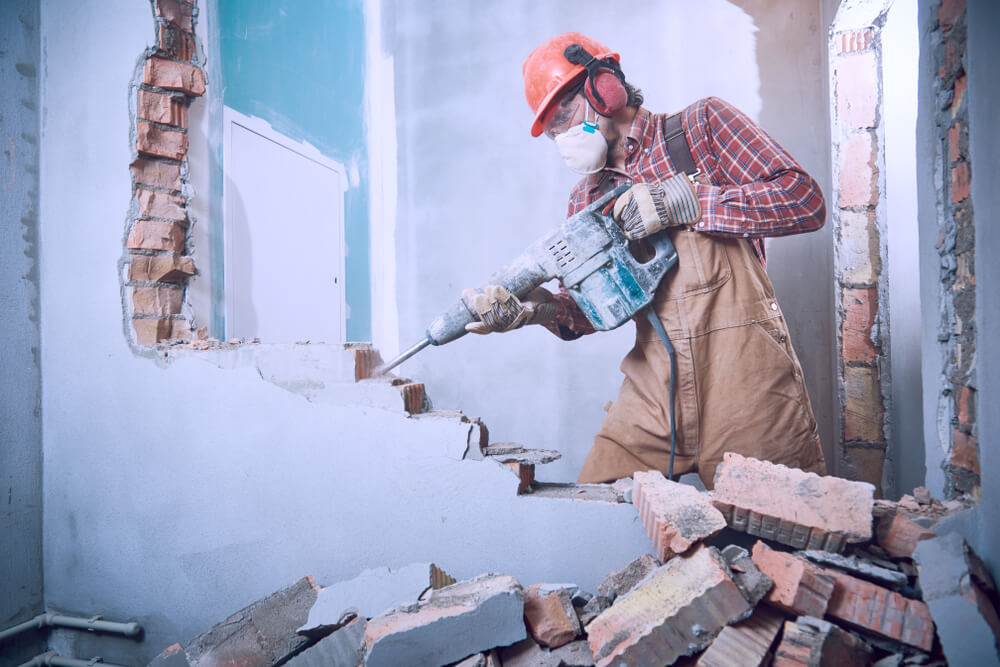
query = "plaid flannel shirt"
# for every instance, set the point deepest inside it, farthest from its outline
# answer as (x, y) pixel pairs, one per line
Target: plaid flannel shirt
(755, 189)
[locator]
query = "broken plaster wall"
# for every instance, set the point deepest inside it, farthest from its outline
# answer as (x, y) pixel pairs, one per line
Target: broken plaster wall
(475, 188)
(176, 493)
(20, 388)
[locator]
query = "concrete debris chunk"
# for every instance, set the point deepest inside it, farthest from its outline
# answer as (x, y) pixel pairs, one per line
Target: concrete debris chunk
(813, 642)
(341, 648)
(859, 567)
(746, 643)
(621, 582)
(528, 653)
(260, 634)
(886, 613)
(899, 535)
(676, 516)
(592, 609)
(800, 587)
(957, 589)
(366, 595)
(477, 660)
(787, 505)
(676, 611)
(455, 622)
(753, 583)
(550, 616)
(509, 452)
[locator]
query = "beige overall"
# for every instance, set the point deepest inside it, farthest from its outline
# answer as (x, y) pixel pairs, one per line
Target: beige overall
(739, 382)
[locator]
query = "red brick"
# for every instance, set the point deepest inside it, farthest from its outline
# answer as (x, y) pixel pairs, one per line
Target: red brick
(964, 452)
(800, 587)
(856, 40)
(863, 409)
(954, 134)
(175, 42)
(157, 300)
(857, 90)
(366, 360)
(169, 268)
(176, 11)
(413, 397)
(858, 180)
(966, 397)
(860, 261)
(898, 534)
(956, 102)
(949, 12)
(813, 641)
(174, 75)
(746, 643)
(864, 464)
(152, 140)
(676, 516)
(677, 610)
(162, 108)
(860, 310)
(151, 330)
(166, 175)
(161, 205)
(790, 506)
(866, 605)
(960, 182)
(550, 617)
(525, 475)
(156, 235)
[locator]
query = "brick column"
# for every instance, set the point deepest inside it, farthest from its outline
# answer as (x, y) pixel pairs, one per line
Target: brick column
(859, 220)
(157, 263)
(956, 415)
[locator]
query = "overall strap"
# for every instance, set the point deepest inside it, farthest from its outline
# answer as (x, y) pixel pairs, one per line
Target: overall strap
(677, 145)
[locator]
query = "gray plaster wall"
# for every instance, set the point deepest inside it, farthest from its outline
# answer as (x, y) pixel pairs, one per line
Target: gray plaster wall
(475, 188)
(20, 389)
(177, 493)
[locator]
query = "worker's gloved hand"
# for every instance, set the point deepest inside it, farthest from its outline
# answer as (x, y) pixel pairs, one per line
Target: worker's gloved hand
(646, 208)
(499, 310)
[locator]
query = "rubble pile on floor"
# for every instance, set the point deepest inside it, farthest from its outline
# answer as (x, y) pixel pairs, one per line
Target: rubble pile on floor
(774, 567)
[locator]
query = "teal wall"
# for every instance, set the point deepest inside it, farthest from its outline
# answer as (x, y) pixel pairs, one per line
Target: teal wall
(300, 65)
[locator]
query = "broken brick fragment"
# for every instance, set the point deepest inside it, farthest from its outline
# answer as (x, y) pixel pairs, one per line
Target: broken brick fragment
(800, 587)
(622, 581)
(676, 516)
(525, 475)
(961, 597)
(790, 506)
(753, 583)
(162, 108)
(898, 534)
(366, 360)
(157, 173)
(811, 641)
(676, 611)
(550, 617)
(413, 397)
(152, 140)
(746, 643)
(454, 623)
(161, 205)
(175, 42)
(879, 610)
(152, 330)
(156, 235)
(174, 75)
(157, 300)
(177, 12)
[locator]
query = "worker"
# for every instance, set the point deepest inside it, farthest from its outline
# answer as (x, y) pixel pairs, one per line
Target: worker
(739, 384)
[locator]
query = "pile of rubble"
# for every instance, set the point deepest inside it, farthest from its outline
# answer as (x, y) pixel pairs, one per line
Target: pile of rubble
(774, 567)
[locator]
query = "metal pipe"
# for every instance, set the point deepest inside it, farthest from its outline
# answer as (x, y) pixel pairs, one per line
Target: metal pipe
(385, 368)
(53, 658)
(93, 624)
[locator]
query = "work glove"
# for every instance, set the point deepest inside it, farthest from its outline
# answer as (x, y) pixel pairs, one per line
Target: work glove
(646, 208)
(499, 310)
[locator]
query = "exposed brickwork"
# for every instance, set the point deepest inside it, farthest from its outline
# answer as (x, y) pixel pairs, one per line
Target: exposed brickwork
(880, 610)
(957, 339)
(858, 255)
(790, 506)
(899, 535)
(800, 587)
(860, 310)
(525, 475)
(857, 91)
(863, 415)
(676, 516)
(170, 78)
(677, 610)
(366, 360)
(857, 171)
(853, 41)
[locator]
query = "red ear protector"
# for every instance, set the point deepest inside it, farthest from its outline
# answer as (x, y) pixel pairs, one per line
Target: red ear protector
(605, 83)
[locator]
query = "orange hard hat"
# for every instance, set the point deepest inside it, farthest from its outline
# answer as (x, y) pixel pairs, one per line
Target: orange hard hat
(547, 72)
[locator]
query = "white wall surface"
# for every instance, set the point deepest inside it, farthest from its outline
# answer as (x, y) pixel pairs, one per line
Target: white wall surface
(475, 188)
(176, 494)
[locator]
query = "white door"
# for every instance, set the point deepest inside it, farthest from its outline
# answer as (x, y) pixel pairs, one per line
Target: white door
(284, 228)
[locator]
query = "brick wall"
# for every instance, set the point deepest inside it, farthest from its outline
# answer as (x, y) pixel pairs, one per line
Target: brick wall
(859, 228)
(956, 247)
(157, 261)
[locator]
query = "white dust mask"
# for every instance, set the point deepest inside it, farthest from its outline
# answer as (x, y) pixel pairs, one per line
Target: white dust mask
(583, 147)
